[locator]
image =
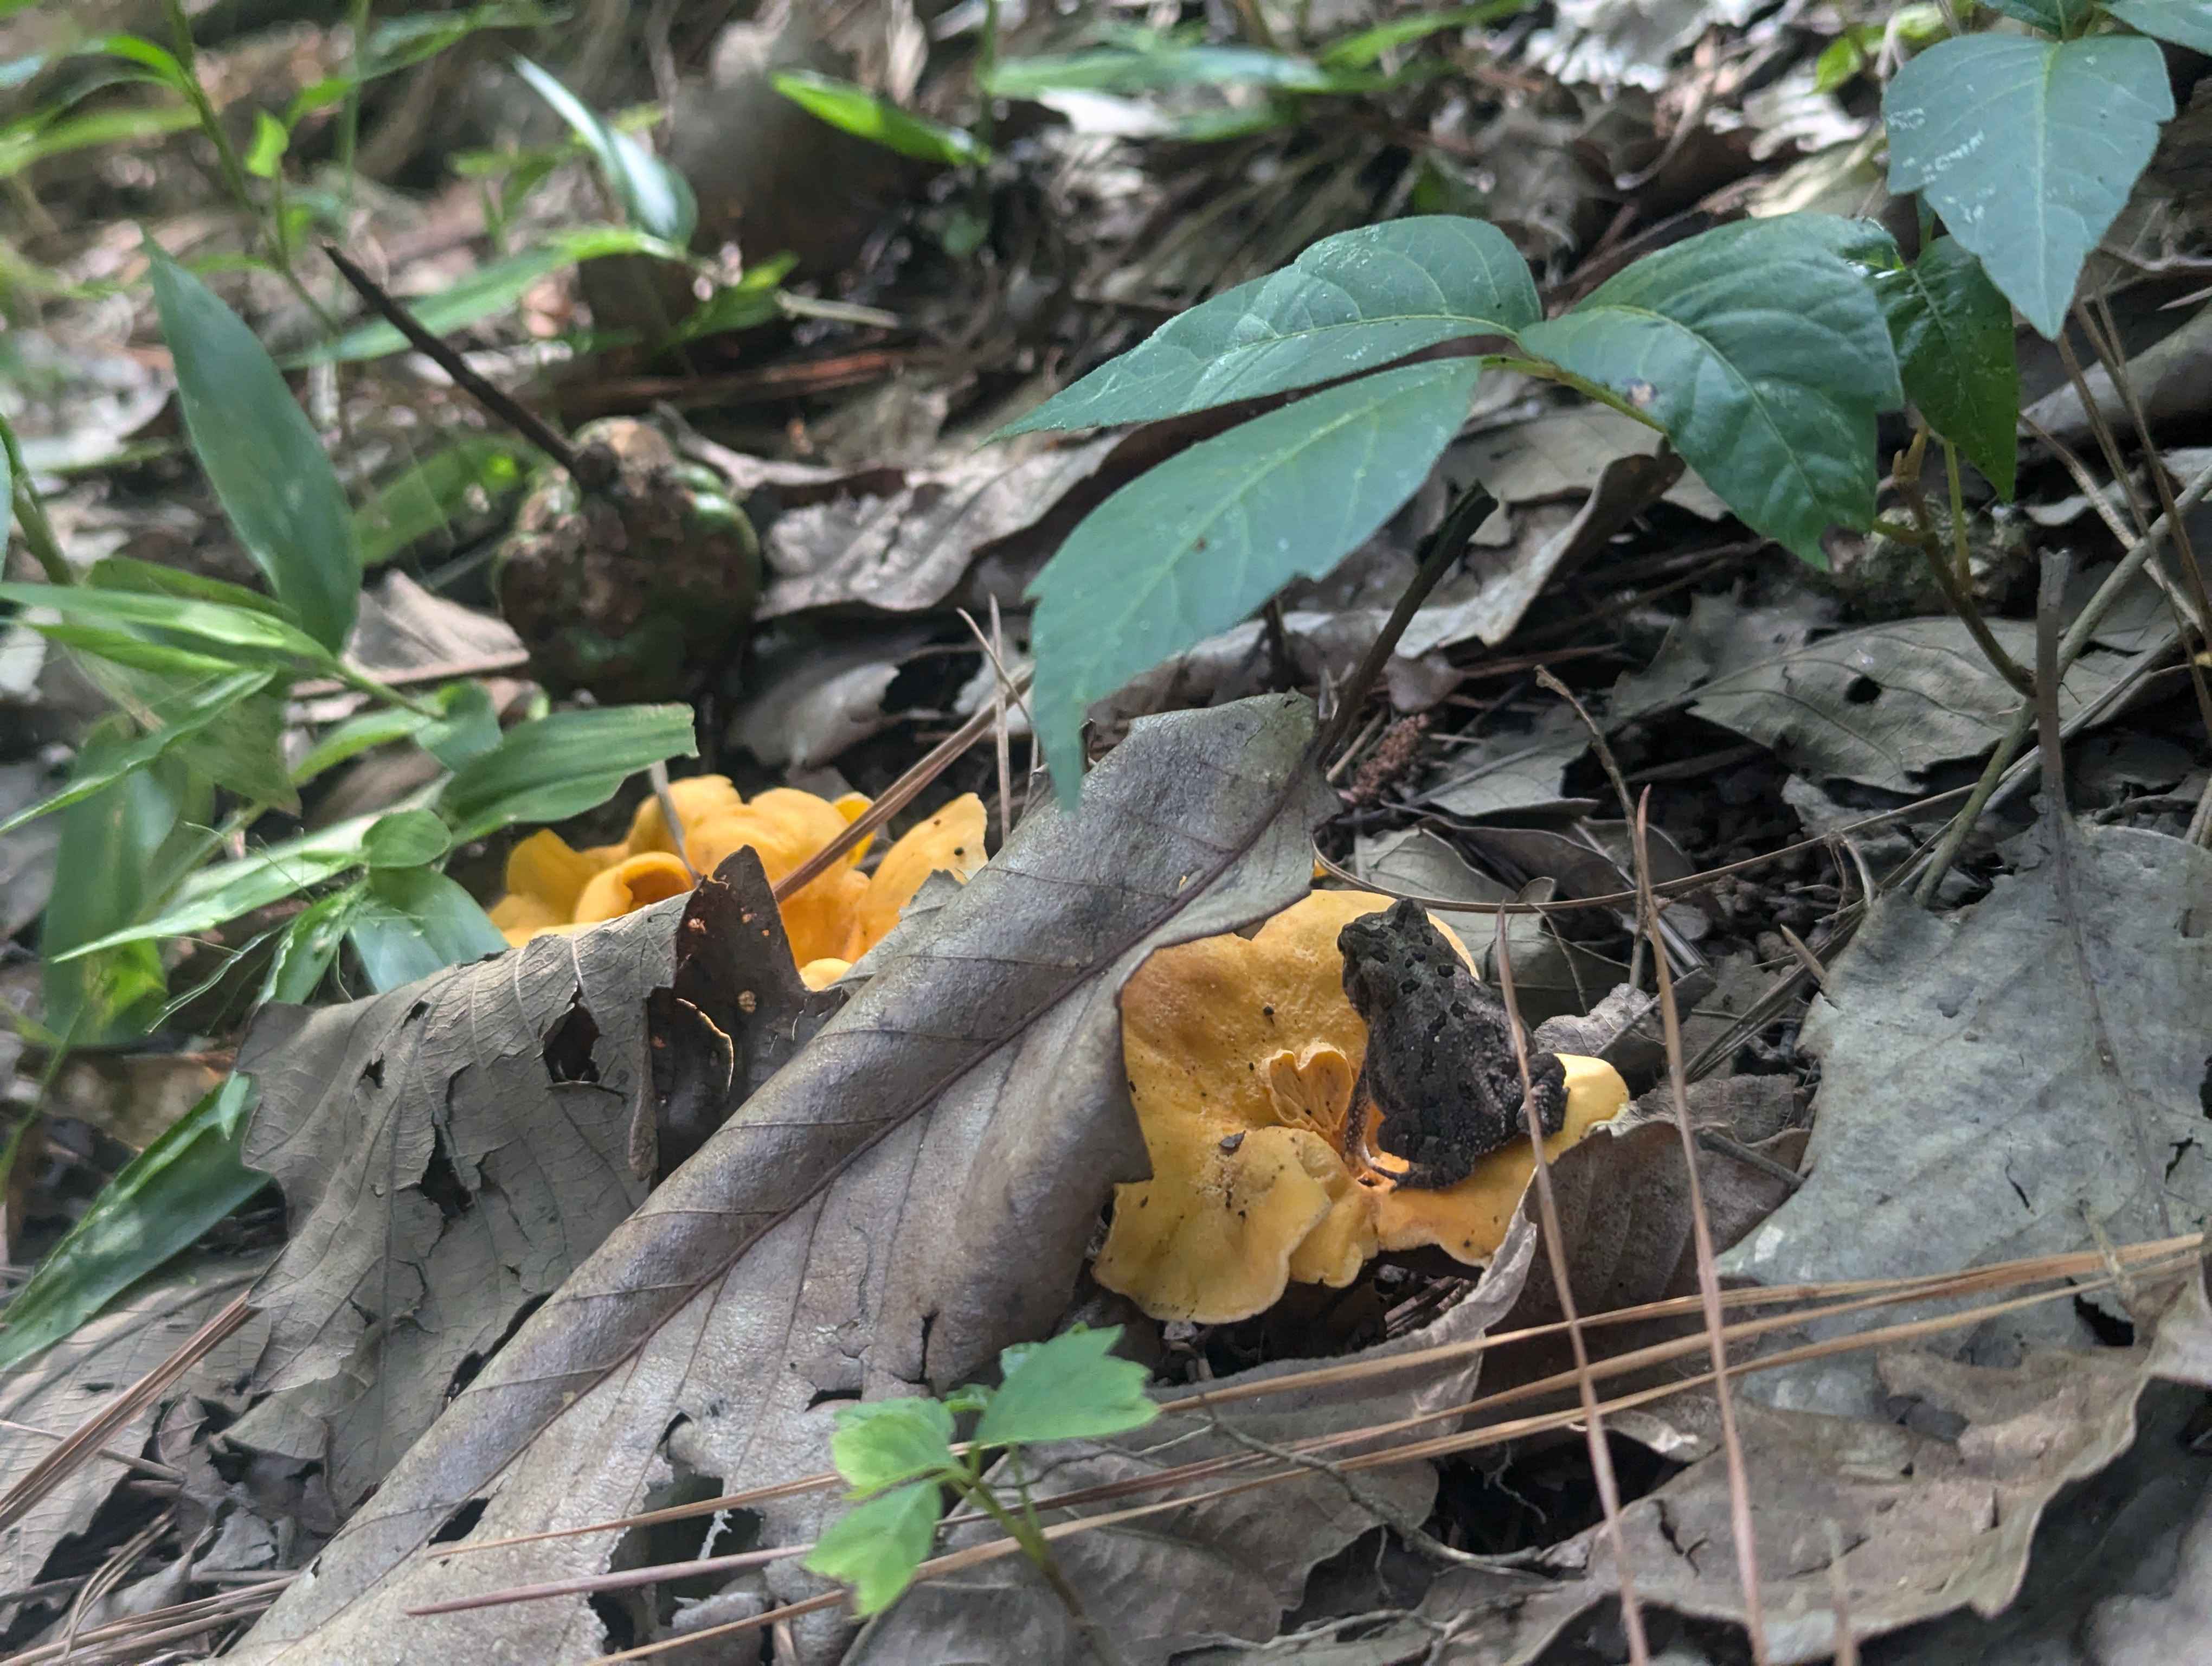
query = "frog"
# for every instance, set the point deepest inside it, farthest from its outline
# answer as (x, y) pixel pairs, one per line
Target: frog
(1440, 1065)
(633, 583)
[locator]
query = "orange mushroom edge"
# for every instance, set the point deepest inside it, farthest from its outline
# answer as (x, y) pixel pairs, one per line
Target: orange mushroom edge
(1241, 1056)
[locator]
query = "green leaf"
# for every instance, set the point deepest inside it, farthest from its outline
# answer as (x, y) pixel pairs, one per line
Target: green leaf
(2054, 16)
(230, 637)
(413, 921)
(656, 197)
(310, 944)
(150, 578)
(1145, 68)
(380, 725)
(224, 891)
(489, 289)
(271, 139)
(469, 729)
(1365, 48)
(555, 767)
(1068, 1389)
(405, 838)
(880, 1442)
(245, 754)
(104, 874)
(1351, 303)
(1953, 332)
(753, 300)
(140, 50)
(2028, 149)
(20, 146)
(104, 761)
(1197, 544)
(261, 455)
(876, 1547)
(2184, 22)
(1760, 352)
(162, 1201)
(857, 111)
(430, 495)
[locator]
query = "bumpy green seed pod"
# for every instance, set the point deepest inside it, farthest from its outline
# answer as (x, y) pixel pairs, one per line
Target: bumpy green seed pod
(631, 591)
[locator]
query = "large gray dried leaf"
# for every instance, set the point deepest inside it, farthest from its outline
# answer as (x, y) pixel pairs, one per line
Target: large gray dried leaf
(75, 1379)
(915, 1190)
(1884, 703)
(1721, 638)
(448, 1153)
(1228, 1567)
(905, 546)
(1514, 769)
(1964, 1114)
(404, 628)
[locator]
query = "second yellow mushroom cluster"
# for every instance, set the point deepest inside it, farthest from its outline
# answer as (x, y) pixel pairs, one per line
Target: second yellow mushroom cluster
(552, 886)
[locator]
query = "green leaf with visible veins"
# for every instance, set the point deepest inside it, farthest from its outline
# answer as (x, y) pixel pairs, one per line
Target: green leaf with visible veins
(409, 922)
(261, 455)
(1071, 1388)
(561, 766)
(876, 1547)
(880, 1442)
(2184, 22)
(1759, 352)
(1351, 303)
(1953, 332)
(2027, 148)
(1197, 544)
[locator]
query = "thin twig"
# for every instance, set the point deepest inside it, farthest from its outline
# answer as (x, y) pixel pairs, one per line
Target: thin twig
(658, 775)
(496, 401)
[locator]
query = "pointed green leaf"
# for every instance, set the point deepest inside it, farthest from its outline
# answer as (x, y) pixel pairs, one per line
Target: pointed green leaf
(234, 637)
(855, 110)
(162, 1201)
(656, 197)
(880, 1442)
(562, 765)
(310, 944)
(261, 456)
(1351, 303)
(2053, 16)
(104, 874)
(1953, 332)
(245, 754)
(2184, 22)
(102, 762)
(405, 838)
(469, 729)
(151, 578)
(1760, 352)
(876, 1547)
(2028, 149)
(1068, 1389)
(223, 890)
(380, 725)
(489, 289)
(412, 921)
(1197, 544)
(1149, 66)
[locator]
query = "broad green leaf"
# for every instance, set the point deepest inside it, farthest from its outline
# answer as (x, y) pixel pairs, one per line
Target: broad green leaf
(261, 455)
(2184, 22)
(105, 762)
(2028, 149)
(429, 496)
(1197, 544)
(1953, 332)
(2054, 16)
(310, 944)
(857, 111)
(162, 1201)
(875, 1547)
(1360, 51)
(405, 838)
(880, 1442)
(555, 767)
(235, 637)
(754, 299)
(245, 754)
(413, 921)
(271, 139)
(104, 873)
(1760, 352)
(1140, 69)
(489, 289)
(1070, 1388)
(1351, 303)
(656, 197)
(224, 891)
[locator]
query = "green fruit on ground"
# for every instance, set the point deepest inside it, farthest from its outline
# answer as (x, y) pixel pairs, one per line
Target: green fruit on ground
(634, 591)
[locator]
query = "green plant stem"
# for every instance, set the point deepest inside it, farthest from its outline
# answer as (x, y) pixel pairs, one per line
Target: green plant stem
(1546, 370)
(1026, 1534)
(31, 515)
(1951, 580)
(364, 683)
(357, 19)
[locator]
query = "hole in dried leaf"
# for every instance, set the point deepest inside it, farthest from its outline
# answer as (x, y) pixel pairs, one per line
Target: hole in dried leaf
(1863, 691)
(2114, 1330)
(568, 1043)
(831, 1398)
(462, 1522)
